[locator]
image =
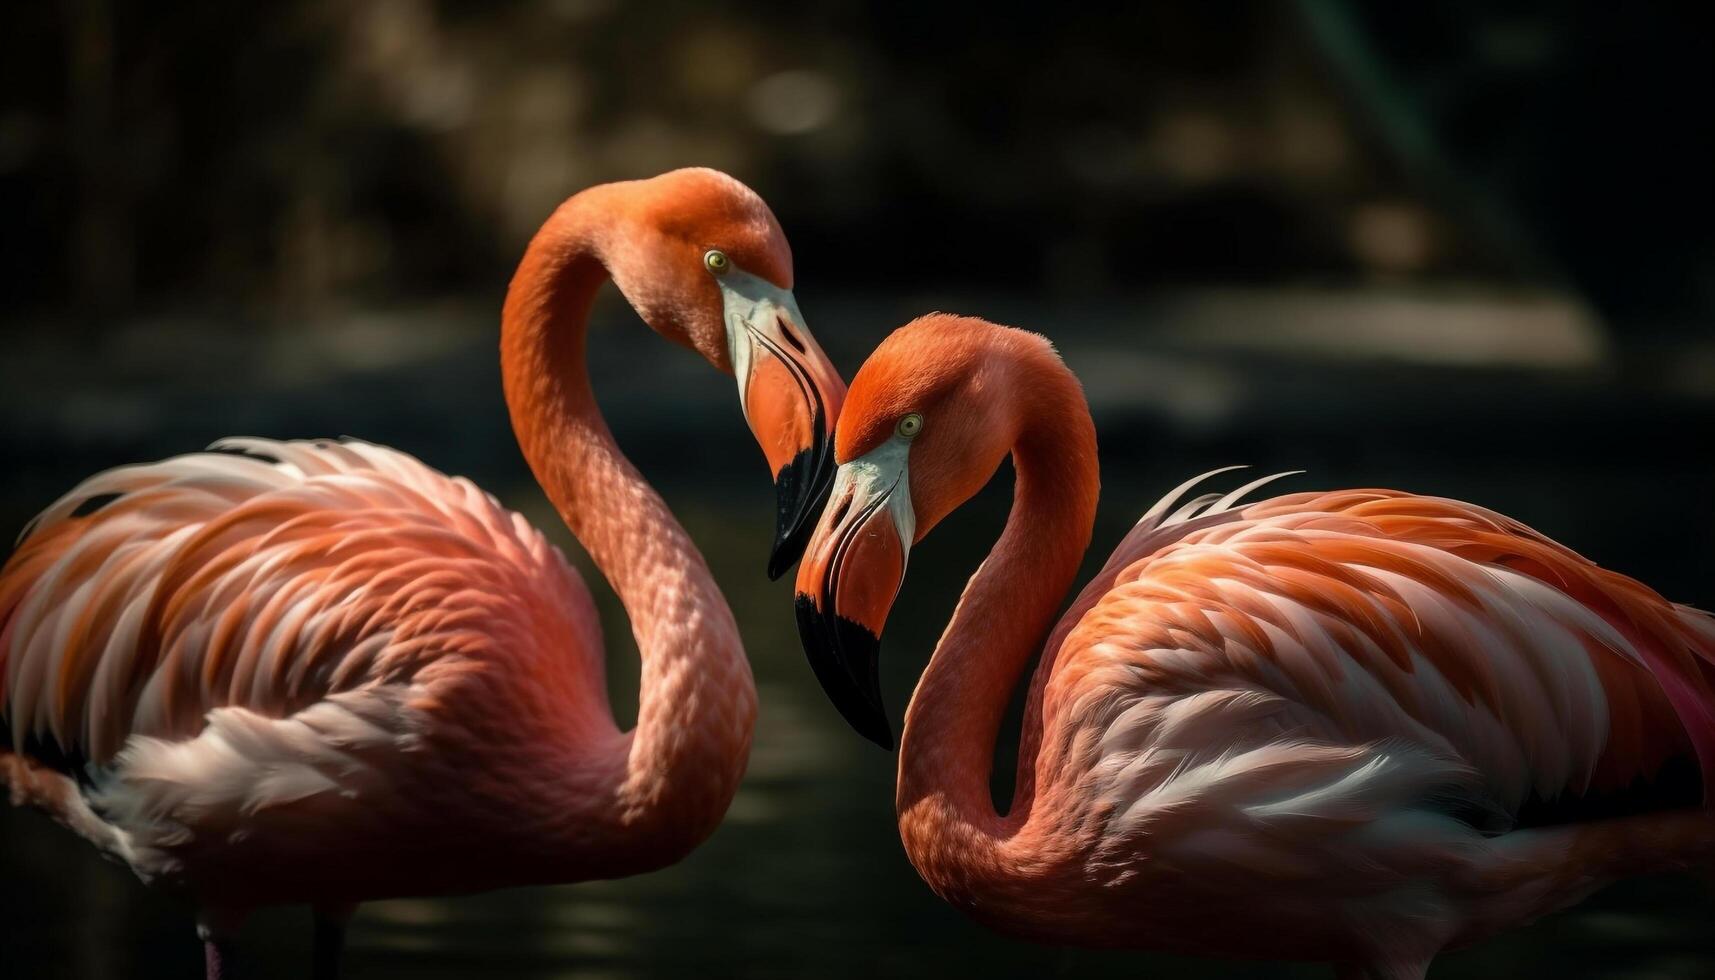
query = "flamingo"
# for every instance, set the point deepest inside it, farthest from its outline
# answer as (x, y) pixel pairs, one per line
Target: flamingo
(1355, 727)
(321, 672)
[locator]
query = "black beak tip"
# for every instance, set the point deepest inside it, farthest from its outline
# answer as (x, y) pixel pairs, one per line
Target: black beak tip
(800, 490)
(845, 658)
(882, 735)
(781, 558)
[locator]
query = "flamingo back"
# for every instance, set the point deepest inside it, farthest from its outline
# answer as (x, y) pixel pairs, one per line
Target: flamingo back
(1329, 656)
(262, 575)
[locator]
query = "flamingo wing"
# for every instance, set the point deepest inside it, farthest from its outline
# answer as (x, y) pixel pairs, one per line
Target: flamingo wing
(1323, 655)
(261, 575)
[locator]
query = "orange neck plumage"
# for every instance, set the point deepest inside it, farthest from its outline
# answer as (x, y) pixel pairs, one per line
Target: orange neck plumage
(666, 784)
(946, 817)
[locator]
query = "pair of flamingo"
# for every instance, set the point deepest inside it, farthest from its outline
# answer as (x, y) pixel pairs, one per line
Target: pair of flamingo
(1309, 727)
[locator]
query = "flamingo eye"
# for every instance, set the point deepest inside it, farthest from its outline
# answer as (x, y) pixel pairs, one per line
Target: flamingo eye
(716, 261)
(910, 425)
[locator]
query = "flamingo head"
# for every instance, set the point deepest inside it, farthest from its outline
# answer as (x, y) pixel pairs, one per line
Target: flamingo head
(929, 419)
(705, 263)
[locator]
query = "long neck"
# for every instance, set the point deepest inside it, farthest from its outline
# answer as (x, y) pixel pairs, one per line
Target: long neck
(946, 816)
(667, 783)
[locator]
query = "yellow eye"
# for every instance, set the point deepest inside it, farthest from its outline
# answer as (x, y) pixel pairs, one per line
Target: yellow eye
(910, 425)
(716, 261)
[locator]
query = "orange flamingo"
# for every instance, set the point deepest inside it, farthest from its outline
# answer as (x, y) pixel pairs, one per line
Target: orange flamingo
(1356, 727)
(322, 673)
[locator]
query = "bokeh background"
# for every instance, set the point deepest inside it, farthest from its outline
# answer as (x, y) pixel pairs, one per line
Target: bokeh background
(1462, 248)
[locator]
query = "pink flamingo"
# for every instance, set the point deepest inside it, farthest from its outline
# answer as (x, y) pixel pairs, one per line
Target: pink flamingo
(1314, 727)
(322, 672)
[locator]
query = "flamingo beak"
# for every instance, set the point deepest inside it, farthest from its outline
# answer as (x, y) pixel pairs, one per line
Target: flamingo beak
(848, 581)
(791, 396)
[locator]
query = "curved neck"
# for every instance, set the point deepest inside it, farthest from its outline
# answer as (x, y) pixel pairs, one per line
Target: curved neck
(665, 785)
(946, 815)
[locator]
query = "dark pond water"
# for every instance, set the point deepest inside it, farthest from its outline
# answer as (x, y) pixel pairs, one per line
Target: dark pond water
(806, 876)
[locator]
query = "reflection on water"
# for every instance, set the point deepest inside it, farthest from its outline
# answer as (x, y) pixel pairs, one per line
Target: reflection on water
(806, 877)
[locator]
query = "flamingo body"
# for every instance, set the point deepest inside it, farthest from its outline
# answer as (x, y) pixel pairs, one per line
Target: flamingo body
(1357, 727)
(241, 651)
(1324, 713)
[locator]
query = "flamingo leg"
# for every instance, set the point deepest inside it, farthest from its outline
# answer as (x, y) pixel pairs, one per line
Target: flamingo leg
(217, 958)
(218, 929)
(330, 922)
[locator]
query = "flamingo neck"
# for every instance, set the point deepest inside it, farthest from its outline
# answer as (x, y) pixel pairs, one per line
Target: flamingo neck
(663, 786)
(947, 818)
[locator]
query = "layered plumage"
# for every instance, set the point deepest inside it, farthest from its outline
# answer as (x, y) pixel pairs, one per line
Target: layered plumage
(280, 637)
(1359, 726)
(1365, 692)
(1385, 614)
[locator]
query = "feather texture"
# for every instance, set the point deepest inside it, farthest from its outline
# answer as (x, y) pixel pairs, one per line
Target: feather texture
(247, 628)
(1346, 701)
(217, 580)
(1509, 665)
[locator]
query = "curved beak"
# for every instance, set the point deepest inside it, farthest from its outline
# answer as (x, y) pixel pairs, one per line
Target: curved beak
(791, 396)
(848, 581)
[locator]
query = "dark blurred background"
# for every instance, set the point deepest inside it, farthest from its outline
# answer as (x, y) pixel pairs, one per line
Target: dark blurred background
(1462, 248)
